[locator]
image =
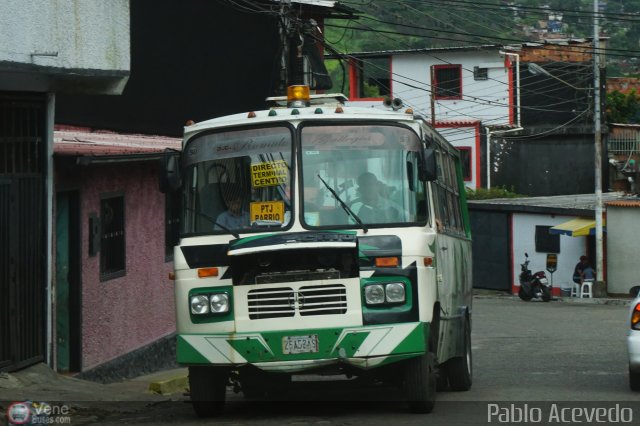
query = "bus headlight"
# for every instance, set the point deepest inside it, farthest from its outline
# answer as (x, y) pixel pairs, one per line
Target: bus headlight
(395, 292)
(219, 303)
(199, 304)
(374, 294)
(389, 293)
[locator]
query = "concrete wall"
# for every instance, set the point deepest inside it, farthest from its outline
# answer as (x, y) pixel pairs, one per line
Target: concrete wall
(466, 137)
(84, 34)
(484, 100)
(64, 45)
(523, 240)
(623, 257)
(128, 312)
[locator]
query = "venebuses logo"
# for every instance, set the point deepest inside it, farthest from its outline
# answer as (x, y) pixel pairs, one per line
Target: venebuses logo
(19, 413)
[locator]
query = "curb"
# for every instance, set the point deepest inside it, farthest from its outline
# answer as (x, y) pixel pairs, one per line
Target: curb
(571, 300)
(169, 386)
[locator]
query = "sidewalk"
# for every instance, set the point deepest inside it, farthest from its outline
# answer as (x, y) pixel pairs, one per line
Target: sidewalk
(495, 294)
(89, 401)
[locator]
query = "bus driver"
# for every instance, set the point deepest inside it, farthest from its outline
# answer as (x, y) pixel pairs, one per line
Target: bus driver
(372, 206)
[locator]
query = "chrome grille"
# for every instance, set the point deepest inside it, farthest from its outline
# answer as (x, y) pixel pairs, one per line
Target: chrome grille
(308, 300)
(270, 303)
(323, 300)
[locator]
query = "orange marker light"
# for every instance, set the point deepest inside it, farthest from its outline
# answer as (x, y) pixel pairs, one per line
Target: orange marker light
(428, 261)
(298, 93)
(207, 272)
(635, 316)
(172, 276)
(387, 262)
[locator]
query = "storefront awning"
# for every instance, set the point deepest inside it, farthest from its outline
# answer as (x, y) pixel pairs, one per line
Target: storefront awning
(579, 227)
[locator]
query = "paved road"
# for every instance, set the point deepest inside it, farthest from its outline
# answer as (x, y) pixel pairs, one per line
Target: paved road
(522, 351)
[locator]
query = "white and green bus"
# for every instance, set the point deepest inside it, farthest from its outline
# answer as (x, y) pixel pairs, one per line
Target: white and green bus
(318, 238)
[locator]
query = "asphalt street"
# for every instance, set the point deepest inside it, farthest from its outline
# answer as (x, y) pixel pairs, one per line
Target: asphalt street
(525, 354)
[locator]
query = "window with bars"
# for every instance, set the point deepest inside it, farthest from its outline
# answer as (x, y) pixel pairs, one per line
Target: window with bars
(112, 241)
(447, 81)
(546, 242)
(465, 162)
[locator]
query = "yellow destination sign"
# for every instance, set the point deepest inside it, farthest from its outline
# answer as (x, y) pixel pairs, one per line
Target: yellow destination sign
(271, 173)
(267, 210)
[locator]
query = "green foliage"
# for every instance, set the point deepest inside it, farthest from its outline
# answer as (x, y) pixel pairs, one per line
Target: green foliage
(447, 24)
(496, 192)
(623, 108)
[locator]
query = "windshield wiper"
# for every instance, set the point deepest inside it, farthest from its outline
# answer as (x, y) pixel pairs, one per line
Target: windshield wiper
(344, 205)
(212, 220)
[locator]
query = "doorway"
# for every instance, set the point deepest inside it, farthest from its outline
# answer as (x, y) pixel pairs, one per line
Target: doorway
(67, 278)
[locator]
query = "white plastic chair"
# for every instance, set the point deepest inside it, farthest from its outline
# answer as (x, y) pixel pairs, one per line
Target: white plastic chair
(575, 290)
(586, 289)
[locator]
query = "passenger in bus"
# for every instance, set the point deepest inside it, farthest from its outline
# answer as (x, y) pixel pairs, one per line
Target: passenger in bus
(372, 206)
(236, 216)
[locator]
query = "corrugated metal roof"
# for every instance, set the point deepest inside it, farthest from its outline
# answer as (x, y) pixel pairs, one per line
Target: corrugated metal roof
(423, 50)
(77, 142)
(557, 204)
(625, 203)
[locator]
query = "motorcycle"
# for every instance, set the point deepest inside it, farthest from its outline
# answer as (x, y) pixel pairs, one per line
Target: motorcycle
(533, 285)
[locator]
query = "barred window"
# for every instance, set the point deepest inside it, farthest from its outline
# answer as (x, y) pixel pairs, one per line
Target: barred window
(447, 81)
(171, 223)
(112, 251)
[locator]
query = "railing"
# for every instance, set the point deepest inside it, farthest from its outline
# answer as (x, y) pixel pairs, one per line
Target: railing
(624, 145)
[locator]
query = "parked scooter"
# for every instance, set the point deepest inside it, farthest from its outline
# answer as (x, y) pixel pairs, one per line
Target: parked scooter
(533, 285)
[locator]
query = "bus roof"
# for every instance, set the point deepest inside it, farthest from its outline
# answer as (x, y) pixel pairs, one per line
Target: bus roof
(316, 112)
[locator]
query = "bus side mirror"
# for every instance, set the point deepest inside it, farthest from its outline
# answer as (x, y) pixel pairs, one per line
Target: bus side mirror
(170, 178)
(428, 168)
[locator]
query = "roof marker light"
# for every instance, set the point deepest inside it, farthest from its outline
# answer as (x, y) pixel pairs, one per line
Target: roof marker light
(295, 111)
(339, 110)
(318, 111)
(251, 115)
(298, 96)
(409, 111)
(272, 113)
(189, 123)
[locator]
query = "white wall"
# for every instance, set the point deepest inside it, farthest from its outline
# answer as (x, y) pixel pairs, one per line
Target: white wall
(463, 136)
(524, 232)
(484, 100)
(623, 256)
(84, 34)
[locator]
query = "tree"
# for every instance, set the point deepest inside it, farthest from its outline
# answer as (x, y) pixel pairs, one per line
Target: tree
(623, 108)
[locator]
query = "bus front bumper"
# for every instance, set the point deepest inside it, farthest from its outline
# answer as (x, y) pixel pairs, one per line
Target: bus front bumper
(299, 350)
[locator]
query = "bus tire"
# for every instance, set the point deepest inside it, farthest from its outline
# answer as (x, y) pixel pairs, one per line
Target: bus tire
(420, 383)
(460, 369)
(208, 388)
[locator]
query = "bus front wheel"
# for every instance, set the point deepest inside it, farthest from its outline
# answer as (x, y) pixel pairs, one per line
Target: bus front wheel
(459, 369)
(208, 387)
(420, 383)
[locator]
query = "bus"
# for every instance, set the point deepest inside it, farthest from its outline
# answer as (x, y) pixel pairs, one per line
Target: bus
(320, 238)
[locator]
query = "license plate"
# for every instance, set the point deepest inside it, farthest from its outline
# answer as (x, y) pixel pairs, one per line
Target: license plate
(543, 280)
(300, 344)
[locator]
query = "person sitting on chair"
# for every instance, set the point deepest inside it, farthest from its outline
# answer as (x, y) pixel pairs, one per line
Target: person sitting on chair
(583, 271)
(371, 206)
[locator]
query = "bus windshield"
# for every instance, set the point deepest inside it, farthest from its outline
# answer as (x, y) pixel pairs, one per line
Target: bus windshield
(372, 169)
(237, 180)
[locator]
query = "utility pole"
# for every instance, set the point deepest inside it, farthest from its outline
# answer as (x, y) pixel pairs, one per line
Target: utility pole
(598, 142)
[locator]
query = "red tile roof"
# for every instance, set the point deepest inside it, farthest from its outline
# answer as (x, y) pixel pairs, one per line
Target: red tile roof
(75, 141)
(625, 203)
